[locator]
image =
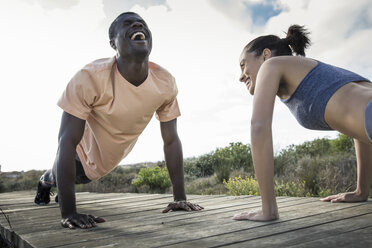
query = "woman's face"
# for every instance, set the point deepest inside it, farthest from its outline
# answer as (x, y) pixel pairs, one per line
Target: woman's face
(250, 64)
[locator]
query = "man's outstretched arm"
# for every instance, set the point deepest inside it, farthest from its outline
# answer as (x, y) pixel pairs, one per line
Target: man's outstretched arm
(70, 134)
(174, 160)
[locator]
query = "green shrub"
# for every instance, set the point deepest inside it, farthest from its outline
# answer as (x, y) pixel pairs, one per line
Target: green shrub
(221, 162)
(118, 180)
(2, 187)
(205, 186)
(155, 178)
(324, 192)
(201, 166)
(242, 186)
(291, 189)
(308, 171)
(314, 148)
(285, 161)
(343, 144)
(249, 186)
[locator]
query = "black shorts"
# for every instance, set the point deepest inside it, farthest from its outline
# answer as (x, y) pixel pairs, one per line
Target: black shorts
(81, 178)
(49, 178)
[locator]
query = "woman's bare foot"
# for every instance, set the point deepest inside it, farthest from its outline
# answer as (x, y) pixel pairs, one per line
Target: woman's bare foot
(256, 215)
(346, 197)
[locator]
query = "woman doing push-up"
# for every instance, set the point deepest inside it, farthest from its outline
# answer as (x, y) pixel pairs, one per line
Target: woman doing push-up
(319, 95)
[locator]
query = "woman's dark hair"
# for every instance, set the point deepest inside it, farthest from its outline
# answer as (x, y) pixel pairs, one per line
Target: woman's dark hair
(297, 41)
(112, 29)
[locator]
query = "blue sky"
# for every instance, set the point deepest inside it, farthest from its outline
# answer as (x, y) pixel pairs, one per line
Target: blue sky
(199, 41)
(260, 12)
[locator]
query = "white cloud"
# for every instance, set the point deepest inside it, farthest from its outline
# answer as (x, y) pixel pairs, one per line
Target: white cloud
(195, 40)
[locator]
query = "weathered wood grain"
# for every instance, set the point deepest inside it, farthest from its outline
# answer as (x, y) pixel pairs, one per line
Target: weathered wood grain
(135, 220)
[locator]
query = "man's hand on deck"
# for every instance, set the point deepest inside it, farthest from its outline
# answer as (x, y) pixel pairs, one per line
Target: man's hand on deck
(182, 205)
(81, 220)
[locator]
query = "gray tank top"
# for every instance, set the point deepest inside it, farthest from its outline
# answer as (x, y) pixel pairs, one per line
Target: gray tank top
(309, 100)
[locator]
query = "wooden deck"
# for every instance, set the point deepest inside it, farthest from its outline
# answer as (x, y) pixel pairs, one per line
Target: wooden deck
(135, 220)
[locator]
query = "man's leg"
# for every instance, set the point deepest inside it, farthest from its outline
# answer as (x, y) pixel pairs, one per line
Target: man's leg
(46, 182)
(81, 178)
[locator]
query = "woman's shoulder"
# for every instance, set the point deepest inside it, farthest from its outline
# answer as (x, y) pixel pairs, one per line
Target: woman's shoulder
(287, 65)
(283, 61)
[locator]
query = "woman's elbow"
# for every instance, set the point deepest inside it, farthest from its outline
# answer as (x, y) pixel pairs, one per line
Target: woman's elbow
(259, 129)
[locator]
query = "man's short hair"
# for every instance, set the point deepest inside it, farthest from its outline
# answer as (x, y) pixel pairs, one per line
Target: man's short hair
(112, 29)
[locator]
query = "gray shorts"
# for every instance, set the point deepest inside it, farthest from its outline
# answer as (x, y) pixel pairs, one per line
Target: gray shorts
(368, 120)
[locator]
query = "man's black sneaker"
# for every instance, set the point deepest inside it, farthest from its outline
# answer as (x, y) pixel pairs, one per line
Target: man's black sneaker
(42, 195)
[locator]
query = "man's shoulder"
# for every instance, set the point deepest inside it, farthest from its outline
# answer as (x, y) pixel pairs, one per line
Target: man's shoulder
(99, 66)
(159, 69)
(97, 72)
(162, 76)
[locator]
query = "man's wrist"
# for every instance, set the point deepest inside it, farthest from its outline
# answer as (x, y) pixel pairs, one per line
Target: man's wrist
(176, 199)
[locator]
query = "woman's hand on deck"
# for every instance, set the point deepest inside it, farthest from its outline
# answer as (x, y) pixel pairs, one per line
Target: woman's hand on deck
(81, 220)
(255, 215)
(182, 205)
(345, 197)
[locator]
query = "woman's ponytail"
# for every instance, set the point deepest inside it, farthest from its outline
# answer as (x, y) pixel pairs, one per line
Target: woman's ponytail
(298, 39)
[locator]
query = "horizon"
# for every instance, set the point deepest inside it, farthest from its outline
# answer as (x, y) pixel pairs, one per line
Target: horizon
(185, 158)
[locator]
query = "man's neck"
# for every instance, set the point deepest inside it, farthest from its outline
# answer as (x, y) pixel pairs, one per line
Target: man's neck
(134, 71)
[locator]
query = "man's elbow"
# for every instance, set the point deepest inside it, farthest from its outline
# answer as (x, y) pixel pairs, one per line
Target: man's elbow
(171, 140)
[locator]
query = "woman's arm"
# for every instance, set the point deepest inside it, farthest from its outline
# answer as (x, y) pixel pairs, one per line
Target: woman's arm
(266, 88)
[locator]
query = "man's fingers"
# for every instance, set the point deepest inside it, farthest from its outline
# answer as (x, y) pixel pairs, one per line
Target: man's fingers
(66, 223)
(84, 220)
(186, 207)
(97, 219)
(182, 205)
(81, 220)
(79, 224)
(91, 221)
(169, 207)
(198, 207)
(194, 207)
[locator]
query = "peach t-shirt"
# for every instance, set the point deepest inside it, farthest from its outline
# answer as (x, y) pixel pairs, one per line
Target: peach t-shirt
(116, 112)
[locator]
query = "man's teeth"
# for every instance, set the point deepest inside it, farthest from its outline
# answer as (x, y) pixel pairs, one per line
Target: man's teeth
(140, 34)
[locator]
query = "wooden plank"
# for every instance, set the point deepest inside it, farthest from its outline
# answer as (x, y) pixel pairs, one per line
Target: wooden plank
(159, 234)
(318, 234)
(290, 222)
(356, 238)
(56, 228)
(135, 220)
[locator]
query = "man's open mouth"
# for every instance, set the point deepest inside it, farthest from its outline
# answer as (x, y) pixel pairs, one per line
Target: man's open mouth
(138, 36)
